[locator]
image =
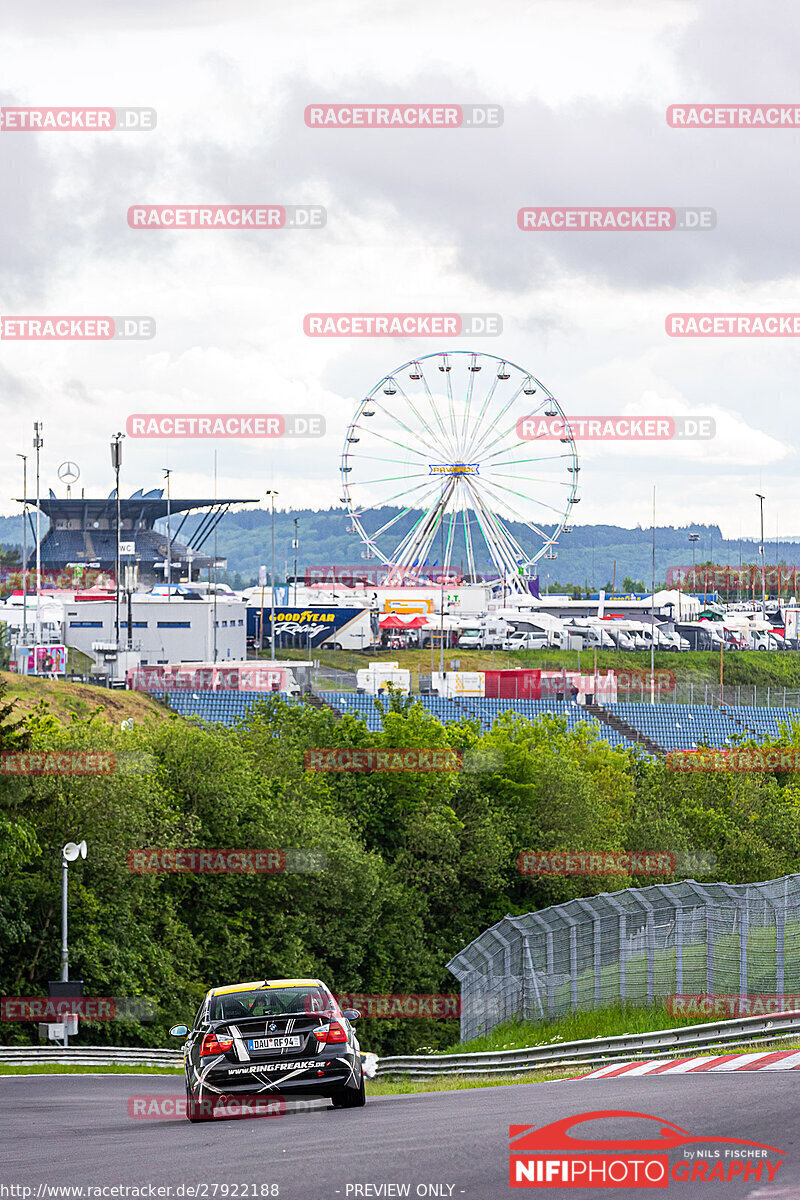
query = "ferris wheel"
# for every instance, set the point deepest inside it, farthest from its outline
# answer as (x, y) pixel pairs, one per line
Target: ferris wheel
(459, 461)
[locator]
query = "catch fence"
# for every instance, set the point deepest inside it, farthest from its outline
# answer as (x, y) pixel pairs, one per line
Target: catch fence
(635, 946)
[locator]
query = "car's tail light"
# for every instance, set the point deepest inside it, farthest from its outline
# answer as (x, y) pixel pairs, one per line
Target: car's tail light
(212, 1044)
(335, 1032)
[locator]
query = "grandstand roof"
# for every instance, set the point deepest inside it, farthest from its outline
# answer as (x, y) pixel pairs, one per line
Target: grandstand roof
(150, 507)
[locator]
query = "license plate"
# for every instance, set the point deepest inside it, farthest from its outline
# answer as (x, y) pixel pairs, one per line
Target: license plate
(274, 1043)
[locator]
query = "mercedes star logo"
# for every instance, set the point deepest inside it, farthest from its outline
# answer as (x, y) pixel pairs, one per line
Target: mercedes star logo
(69, 472)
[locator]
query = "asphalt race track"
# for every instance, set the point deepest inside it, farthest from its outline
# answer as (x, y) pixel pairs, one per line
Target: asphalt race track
(75, 1129)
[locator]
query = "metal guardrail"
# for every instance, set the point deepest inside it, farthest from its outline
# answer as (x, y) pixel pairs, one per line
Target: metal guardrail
(593, 1051)
(97, 1056)
(588, 1052)
(90, 1056)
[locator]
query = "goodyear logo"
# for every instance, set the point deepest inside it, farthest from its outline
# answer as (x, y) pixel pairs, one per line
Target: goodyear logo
(303, 618)
(453, 468)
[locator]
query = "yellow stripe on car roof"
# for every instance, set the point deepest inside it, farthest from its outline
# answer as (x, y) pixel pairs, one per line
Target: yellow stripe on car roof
(261, 983)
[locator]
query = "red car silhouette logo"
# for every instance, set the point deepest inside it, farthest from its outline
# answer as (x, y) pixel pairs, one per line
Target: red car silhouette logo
(555, 1137)
(553, 1157)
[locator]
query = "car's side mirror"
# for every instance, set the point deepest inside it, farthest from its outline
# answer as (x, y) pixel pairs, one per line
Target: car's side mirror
(352, 1014)
(179, 1030)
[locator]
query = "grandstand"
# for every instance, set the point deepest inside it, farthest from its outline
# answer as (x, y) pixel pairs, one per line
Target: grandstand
(83, 533)
(670, 727)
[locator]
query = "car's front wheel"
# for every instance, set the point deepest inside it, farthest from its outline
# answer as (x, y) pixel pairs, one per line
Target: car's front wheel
(347, 1098)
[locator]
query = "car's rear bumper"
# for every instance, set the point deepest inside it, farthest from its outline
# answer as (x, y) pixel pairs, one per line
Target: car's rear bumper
(323, 1077)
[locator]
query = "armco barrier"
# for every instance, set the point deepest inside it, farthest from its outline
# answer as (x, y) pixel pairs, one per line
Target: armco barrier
(655, 1044)
(97, 1056)
(90, 1056)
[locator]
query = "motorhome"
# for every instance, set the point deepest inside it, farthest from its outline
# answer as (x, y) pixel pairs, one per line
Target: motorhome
(594, 634)
(485, 635)
(654, 638)
(674, 640)
(549, 632)
(621, 639)
(633, 630)
(699, 634)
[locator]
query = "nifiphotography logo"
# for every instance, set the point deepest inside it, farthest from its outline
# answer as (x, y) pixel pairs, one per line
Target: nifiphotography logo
(552, 1156)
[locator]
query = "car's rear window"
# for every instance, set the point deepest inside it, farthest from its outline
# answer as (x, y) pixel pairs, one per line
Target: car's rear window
(273, 1002)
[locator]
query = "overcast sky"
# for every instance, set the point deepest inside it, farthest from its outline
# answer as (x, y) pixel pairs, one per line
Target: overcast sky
(417, 221)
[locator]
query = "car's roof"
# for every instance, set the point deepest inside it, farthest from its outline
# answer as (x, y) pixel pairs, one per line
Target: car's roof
(227, 988)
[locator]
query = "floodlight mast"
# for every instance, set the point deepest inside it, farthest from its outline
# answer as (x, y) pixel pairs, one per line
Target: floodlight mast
(168, 571)
(38, 442)
(272, 494)
(116, 463)
(69, 853)
(24, 458)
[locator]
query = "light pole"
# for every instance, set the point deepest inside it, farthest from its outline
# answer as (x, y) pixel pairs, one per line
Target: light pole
(38, 442)
(295, 544)
(653, 613)
(69, 853)
(167, 474)
(693, 538)
(116, 463)
(24, 458)
(272, 494)
(763, 564)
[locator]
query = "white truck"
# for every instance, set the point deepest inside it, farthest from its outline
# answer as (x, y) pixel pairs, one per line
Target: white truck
(458, 683)
(379, 676)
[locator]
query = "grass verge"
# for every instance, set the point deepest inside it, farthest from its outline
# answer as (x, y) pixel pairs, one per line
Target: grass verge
(459, 1083)
(614, 1021)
